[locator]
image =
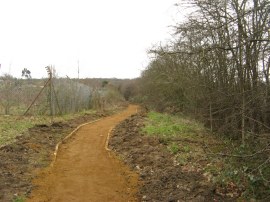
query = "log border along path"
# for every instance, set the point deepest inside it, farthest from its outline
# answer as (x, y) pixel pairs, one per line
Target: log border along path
(85, 170)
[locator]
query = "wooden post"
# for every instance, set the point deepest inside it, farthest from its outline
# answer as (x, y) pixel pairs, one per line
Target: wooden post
(49, 70)
(47, 82)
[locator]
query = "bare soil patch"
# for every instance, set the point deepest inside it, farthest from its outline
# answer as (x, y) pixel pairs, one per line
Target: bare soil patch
(162, 178)
(32, 151)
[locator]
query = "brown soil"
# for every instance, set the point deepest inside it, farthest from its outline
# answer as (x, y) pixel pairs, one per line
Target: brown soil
(31, 152)
(163, 179)
(85, 171)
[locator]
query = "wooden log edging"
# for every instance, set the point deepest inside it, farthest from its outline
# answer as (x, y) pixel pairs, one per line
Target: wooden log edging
(108, 138)
(67, 137)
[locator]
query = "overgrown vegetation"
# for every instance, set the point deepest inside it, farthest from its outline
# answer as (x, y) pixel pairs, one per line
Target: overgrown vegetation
(216, 67)
(216, 70)
(238, 172)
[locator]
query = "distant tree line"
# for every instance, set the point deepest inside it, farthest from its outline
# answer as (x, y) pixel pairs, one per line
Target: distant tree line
(64, 96)
(216, 68)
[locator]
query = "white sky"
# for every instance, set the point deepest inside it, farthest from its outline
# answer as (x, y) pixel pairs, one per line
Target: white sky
(109, 37)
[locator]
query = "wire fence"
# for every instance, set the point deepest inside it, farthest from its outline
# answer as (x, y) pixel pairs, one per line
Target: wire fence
(43, 96)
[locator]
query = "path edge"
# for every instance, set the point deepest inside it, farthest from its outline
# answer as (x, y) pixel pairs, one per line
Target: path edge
(110, 133)
(74, 132)
(67, 137)
(108, 138)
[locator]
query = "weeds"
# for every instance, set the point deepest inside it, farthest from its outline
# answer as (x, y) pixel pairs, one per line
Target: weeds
(179, 134)
(237, 174)
(173, 148)
(19, 199)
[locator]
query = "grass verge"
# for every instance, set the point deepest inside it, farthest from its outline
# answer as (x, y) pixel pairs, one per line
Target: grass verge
(233, 169)
(13, 126)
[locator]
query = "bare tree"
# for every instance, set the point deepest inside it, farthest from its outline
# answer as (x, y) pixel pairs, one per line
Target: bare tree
(26, 73)
(217, 67)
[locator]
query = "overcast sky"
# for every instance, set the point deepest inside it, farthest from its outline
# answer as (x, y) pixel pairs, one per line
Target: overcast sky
(109, 38)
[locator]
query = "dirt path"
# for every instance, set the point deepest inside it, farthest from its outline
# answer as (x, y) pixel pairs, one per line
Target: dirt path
(85, 171)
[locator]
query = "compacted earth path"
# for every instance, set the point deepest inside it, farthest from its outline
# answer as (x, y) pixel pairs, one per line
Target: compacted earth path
(85, 170)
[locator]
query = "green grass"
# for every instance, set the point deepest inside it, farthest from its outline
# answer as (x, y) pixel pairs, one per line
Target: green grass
(10, 127)
(164, 125)
(180, 135)
(19, 199)
(186, 140)
(174, 148)
(13, 126)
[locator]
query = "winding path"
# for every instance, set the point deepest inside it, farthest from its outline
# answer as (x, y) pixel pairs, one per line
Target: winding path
(85, 171)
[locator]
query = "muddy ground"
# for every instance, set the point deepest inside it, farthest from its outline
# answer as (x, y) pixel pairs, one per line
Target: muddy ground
(161, 177)
(21, 160)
